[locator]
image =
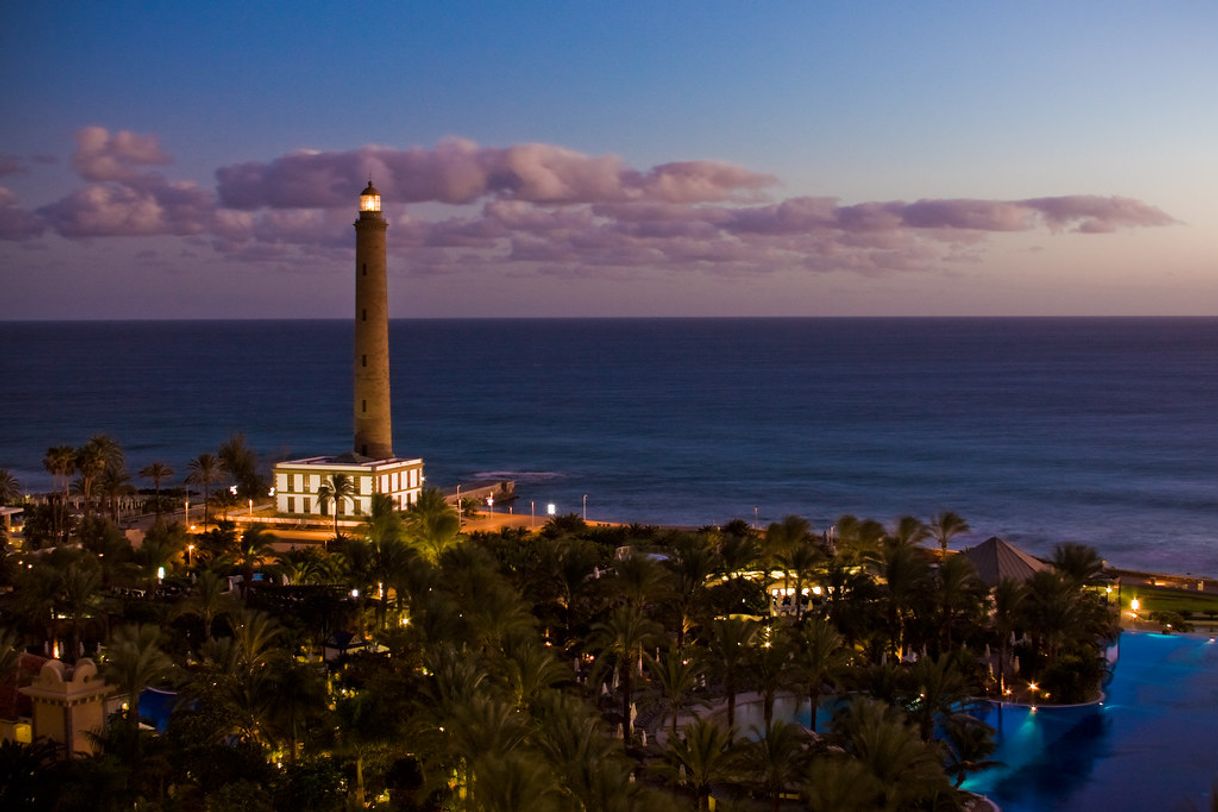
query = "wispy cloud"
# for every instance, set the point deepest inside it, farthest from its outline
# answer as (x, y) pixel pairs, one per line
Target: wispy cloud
(541, 207)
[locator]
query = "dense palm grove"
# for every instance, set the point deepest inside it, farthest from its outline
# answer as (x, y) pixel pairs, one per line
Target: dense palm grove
(582, 668)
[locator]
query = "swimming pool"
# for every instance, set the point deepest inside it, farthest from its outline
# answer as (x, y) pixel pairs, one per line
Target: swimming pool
(1152, 744)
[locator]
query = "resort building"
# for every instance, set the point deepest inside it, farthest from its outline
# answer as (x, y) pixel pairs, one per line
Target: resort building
(371, 465)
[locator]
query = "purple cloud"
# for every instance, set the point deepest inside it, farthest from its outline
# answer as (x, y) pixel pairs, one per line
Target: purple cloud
(102, 155)
(458, 171)
(15, 222)
(543, 208)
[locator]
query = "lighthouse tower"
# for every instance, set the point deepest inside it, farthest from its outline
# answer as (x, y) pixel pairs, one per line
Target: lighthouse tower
(373, 418)
(304, 488)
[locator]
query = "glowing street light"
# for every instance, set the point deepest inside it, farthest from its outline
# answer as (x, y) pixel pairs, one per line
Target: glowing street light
(190, 548)
(490, 504)
(585, 507)
(1135, 604)
(551, 509)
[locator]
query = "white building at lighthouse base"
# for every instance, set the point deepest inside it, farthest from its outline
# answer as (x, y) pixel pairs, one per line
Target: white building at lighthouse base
(297, 483)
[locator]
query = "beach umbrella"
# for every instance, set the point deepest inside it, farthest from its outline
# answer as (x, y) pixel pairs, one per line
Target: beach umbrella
(634, 712)
(1015, 665)
(987, 651)
(643, 737)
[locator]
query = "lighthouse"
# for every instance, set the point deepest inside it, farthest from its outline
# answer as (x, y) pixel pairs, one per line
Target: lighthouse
(370, 465)
(373, 417)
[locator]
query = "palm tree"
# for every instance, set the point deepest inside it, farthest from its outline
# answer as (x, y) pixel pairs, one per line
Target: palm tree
(694, 563)
(1078, 562)
(910, 531)
(101, 454)
(906, 579)
(335, 490)
(970, 743)
(134, 660)
(592, 773)
(79, 596)
(432, 524)
(530, 669)
(961, 595)
(819, 660)
(10, 488)
(675, 679)
(621, 640)
(907, 771)
(208, 600)
(946, 526)
(156, 471)
(60, 462)
(240, 462)
(840, 784)
(204, 470)
(729, 641)
(775, 758)
(938, 689)
(702, 756)
(1008, 602)
(639, 579)
(800, 560)
(298, 695)
(253, 546)
(771, 669)
(115, 483)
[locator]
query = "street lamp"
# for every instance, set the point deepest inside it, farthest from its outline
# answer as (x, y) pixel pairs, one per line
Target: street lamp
(190, 548)
(490, 505)
(585, 507)
(551, 509)
(532, 513)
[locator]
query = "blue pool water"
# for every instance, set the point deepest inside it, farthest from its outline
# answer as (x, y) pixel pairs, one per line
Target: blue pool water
(1152, 745)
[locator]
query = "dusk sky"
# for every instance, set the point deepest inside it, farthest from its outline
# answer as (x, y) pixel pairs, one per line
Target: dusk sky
(203, 160)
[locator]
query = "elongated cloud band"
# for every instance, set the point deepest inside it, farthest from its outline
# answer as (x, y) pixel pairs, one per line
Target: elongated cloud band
(536, 206)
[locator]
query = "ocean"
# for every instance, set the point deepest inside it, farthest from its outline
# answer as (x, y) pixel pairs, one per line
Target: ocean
(1040, 430)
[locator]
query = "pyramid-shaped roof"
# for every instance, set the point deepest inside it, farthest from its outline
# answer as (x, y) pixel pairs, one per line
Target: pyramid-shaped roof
(995, 559)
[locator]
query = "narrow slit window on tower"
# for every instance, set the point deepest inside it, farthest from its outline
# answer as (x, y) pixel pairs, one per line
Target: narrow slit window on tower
(363, 360)
(363, 315)
(365, 269)
(363, 405)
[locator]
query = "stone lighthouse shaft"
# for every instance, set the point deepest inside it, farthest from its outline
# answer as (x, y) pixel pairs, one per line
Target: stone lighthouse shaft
(373, 417)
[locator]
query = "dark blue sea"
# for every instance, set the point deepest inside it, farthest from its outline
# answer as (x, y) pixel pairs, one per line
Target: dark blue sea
(1039, 430)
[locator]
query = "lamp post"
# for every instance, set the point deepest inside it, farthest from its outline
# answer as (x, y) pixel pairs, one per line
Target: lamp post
(585, 507)
(532, 513)
(551, 510)
(754, 517)
(190, 548)
(490, 505)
